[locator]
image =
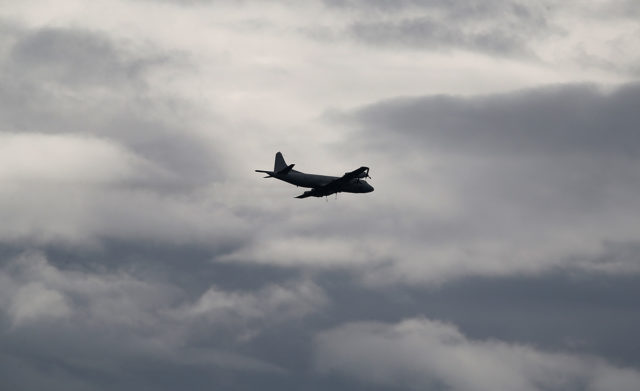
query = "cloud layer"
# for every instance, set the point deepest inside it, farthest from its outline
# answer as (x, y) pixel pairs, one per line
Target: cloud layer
(421, 353)
(133, 321)
(139, 250)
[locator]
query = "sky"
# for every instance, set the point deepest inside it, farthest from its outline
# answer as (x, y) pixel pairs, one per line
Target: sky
(500, 249)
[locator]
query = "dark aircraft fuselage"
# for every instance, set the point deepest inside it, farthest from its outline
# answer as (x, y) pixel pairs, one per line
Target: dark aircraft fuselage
(314, 181)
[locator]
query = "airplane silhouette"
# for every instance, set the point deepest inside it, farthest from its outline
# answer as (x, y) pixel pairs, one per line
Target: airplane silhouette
(321, 185)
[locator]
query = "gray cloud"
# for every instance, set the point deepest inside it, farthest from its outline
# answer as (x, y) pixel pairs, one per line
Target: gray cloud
(523, 182)
(571, 119)
(568, 311)
(618, 9)
(64, 317)
(518, 30)
(78, 81)
(139, 250)
(75, 57)
(430, 33)
(495, 28)
(469, 8)
(419, 353)
(83, 121)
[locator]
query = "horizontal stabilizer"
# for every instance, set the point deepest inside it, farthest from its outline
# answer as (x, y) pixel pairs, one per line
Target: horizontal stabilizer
(269, 173)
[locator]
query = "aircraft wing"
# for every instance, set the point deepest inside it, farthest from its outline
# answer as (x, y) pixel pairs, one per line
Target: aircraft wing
(335, 185)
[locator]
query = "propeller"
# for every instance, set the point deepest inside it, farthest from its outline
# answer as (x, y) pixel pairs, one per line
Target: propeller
(365, 174)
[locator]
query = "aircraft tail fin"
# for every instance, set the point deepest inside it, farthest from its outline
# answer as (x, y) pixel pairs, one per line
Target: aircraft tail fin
(280, 167)
(280, 164)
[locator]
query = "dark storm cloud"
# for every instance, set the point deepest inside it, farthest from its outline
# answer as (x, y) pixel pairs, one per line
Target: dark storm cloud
(567, 311)
(70, 325)
(570, 119)
(422, 353)
(86, 327)
(616, 254)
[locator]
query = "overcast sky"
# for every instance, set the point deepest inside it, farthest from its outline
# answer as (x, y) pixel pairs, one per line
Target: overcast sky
(500, 249)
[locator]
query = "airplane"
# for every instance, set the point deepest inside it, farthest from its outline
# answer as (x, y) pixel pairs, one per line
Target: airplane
(321, 185)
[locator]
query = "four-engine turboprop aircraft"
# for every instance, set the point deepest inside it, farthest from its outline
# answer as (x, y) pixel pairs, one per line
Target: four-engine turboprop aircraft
(321, 185)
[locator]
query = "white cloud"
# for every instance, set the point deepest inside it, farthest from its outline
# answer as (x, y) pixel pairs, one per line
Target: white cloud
(422, 353)
(274, 303)
(313, 252)
(34, 302)
(80, 189)
(68, 160)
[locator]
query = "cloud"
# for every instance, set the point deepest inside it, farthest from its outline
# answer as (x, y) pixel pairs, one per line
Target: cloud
(557, 35)
(525, 182)
(35, 286)
(66, 81)
(87, 140)
(97, 321)
(419, 353)
(274, 302)
(139, 250)
(72, 159)
(303, 251)
(561, 119)
(494, 28)
(34, 301)
(77, 58)
(497, 184)
(83, 189)
(429, 33)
